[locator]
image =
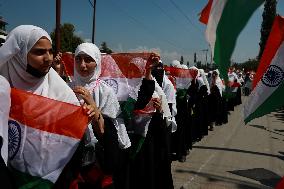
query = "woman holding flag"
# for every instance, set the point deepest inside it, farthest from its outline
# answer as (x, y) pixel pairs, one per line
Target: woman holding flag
(109, 129)
(151, 166)
(44, 111)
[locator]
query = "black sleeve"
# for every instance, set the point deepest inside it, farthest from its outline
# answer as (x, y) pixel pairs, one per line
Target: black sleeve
(109, 161)
(145, 93)
(5, 175)
(202, 91)
(171, 107)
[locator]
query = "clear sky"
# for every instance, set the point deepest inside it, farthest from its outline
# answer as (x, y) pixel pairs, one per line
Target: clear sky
(170, 27)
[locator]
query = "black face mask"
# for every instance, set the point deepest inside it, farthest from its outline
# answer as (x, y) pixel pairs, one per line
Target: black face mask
(34, 72)
(158, 73)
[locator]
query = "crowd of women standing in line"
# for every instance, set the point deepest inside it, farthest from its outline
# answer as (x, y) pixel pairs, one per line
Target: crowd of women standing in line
(111, 154)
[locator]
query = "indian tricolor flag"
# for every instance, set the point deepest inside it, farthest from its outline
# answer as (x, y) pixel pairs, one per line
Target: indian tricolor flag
(268, 91)
(124, 73)
(43, 136)
(183, 77)
(225, 20)
(68, 63)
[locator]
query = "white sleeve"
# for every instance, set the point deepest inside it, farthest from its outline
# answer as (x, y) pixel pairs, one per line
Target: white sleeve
(5, 104)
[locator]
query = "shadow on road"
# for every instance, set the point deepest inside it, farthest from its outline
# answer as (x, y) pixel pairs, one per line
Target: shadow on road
(241, 151)
(279, 130)
(279, 114)
(262, 127)
(221, 181)
(264, 176)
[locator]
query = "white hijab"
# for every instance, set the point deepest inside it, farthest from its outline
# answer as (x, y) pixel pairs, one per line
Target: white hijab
(5, 103)
(204, 78)
(13, 65)
(170, 93)
(102, 93)
(218, 83)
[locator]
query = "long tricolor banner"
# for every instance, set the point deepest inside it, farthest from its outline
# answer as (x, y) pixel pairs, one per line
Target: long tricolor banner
(183, 77)
(268, 92)
(123, 71)
(43, 136)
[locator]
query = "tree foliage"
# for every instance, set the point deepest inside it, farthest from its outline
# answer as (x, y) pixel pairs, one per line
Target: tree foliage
(104, 48)
(181, 60)
(68, 40)
(250, 64)
(268, 16)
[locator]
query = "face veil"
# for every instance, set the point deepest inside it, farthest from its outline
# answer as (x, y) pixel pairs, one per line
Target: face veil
(158, 72)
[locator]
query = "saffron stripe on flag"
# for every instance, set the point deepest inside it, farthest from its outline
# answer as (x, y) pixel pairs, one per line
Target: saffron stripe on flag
(227, 19)
(47, 114)
(205, 13)
(273, 43)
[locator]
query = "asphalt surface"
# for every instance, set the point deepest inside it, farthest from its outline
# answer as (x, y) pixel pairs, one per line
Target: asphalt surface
(235, 155)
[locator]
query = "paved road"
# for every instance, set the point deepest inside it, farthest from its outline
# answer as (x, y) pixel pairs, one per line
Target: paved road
(235, 156)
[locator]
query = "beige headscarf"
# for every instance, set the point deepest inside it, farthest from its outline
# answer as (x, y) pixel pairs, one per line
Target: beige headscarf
(13, 65)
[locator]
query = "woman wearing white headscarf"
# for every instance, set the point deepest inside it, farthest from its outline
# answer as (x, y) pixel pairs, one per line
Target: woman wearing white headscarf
(87, 70)
(23, 74)
(25, 61)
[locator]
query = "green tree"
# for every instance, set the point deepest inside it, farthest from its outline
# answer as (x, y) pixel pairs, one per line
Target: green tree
(198, 64)
(187, 63)
(68, 40)
(181, 60)
(250, 64)
(104, 48)
(268, 16)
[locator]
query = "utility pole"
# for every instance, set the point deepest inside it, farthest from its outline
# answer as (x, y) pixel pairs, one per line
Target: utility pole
(57, 28)
(206, 51)
(94, 21)
(57, 33)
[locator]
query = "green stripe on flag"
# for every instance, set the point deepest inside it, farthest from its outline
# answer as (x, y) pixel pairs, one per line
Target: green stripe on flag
(26, 181)
(235, 16)
(274, 101)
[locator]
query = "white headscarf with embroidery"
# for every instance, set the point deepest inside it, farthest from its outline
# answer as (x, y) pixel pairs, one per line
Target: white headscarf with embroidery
(102, 93)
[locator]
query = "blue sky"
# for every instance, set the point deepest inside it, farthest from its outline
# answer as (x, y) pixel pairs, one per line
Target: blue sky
(170, 27)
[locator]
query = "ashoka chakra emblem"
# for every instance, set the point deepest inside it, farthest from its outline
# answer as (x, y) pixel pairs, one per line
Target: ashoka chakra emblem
(14, 138)
(113, 83)
(273, 76)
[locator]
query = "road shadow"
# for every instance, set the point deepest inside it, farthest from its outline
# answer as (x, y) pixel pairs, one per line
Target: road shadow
(240, 151)
(264, 176)
(277, 138)
(212, 179)
(279, 114)
(264, 128)
(279, 130)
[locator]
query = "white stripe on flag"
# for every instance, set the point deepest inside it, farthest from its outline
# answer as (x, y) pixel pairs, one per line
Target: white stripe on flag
(261, 92)
(214, 18)
(35, 153)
